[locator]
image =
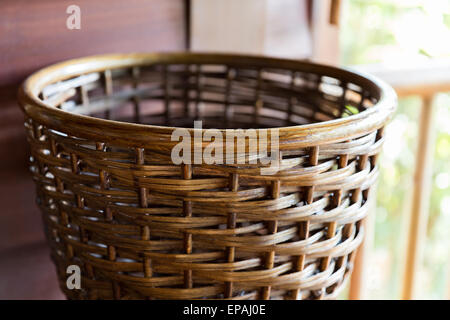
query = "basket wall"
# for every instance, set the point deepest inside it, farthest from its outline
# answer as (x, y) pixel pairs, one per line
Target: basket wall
(141, 227)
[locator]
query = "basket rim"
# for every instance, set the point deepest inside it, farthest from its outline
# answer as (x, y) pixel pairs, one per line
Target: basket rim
(144, 135)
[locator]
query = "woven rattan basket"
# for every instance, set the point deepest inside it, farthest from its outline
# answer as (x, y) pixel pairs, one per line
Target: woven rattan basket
(140, 226)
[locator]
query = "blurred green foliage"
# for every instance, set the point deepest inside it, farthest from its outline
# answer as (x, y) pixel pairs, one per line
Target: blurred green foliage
(405, 31)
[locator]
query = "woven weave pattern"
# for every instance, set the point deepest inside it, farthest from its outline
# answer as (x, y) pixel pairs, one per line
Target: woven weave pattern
(141, 227)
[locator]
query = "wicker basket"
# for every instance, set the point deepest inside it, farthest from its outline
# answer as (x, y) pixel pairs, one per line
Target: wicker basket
(140, 226)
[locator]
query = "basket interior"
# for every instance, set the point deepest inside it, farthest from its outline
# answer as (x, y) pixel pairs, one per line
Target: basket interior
(222, 96)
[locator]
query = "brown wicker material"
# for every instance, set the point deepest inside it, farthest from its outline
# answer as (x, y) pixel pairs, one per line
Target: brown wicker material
(141, 227)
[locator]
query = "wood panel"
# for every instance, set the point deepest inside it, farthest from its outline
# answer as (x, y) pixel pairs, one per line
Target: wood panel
(28, 273)
(33, 34)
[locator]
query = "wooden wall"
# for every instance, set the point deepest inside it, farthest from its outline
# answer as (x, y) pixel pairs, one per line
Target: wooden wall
(33, 34)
